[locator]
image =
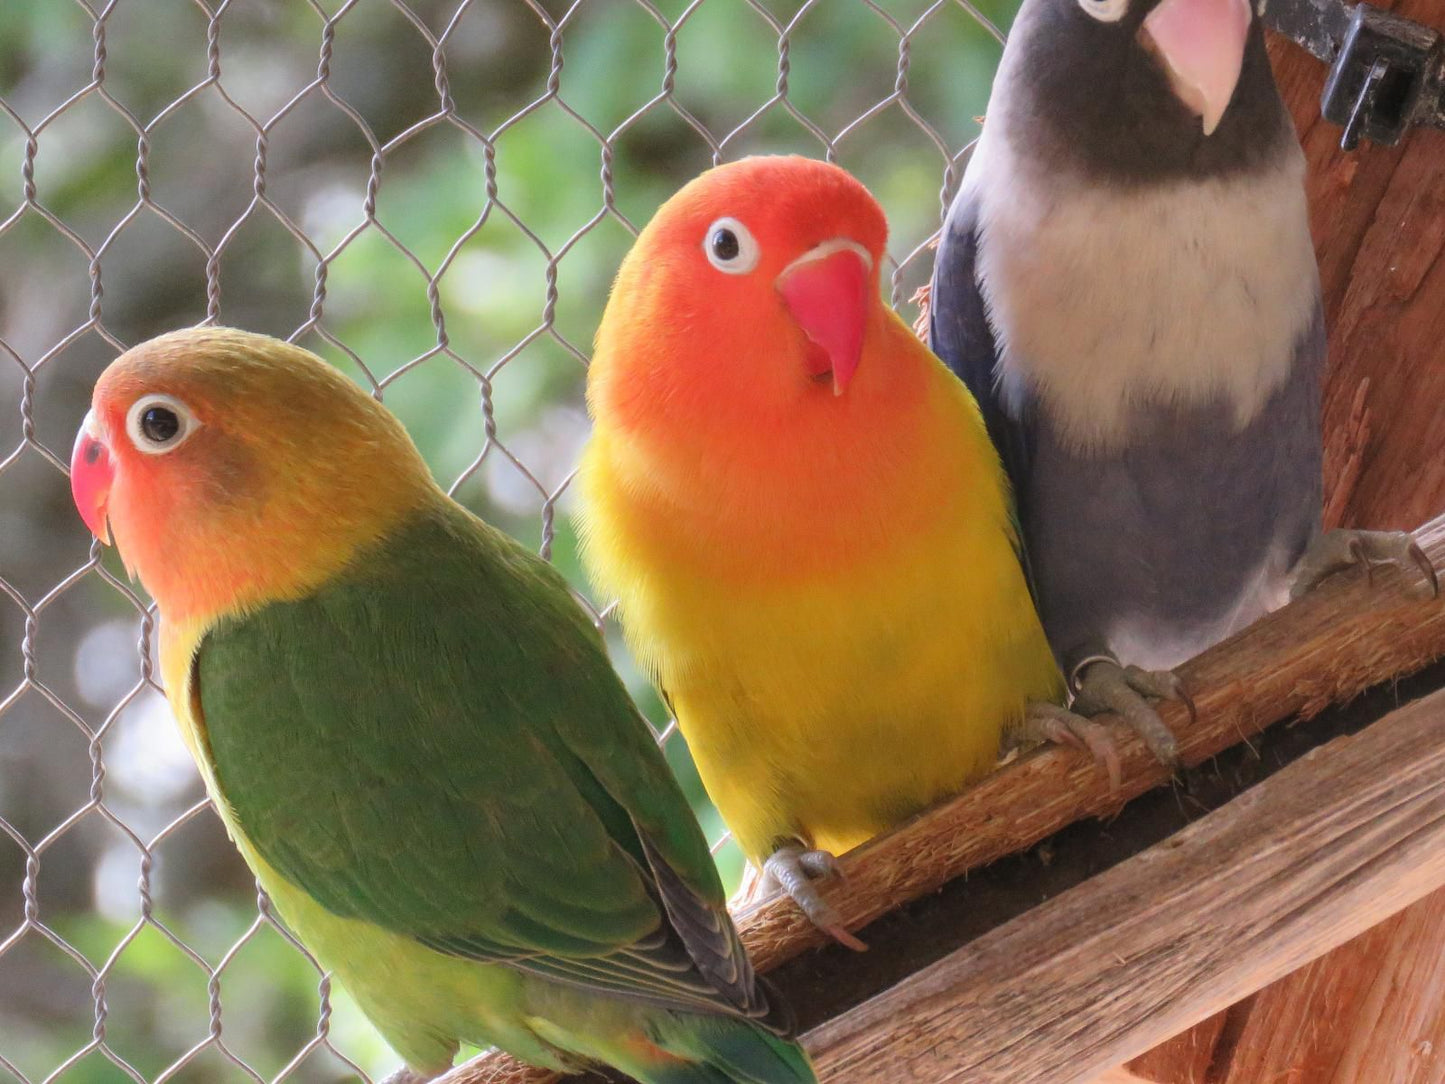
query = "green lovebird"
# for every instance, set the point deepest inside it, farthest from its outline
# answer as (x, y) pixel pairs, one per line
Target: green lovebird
(412, 731)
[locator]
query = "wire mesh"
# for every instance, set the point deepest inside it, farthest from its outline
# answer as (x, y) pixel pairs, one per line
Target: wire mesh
(433, 196)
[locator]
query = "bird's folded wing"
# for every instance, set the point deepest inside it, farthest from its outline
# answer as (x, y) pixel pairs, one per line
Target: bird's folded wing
(435, 743)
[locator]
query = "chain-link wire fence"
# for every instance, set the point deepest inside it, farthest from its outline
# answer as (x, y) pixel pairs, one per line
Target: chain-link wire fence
(434, 196)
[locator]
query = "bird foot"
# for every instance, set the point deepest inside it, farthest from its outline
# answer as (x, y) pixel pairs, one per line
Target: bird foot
(1101, 685)
(1045, 722)
(1339, 549)
(794, 870)
(407, 1076)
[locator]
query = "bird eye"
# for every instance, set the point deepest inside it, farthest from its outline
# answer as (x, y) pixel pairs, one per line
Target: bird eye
(1106, 11)
(157, 424)
(730, 247)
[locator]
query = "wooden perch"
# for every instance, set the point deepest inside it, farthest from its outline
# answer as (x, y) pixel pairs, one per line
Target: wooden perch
(1299, 864)
(1340, 640)
(1327, 648)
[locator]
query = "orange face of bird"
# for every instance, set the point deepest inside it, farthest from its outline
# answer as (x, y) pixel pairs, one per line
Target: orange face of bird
(131, 452)
(753, 288)
(170, 466)
(227, 467)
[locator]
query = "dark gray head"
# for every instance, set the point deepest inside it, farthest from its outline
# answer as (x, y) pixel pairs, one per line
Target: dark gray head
(1141, 90)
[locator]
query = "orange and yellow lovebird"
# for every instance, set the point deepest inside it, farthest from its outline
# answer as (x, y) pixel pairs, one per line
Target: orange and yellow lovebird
(808, 533)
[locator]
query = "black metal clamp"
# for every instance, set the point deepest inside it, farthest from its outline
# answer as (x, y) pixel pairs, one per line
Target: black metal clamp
(1386, 73)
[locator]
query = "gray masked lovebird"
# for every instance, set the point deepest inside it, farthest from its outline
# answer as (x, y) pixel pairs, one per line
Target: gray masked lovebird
(1127, 284)
(412, 731)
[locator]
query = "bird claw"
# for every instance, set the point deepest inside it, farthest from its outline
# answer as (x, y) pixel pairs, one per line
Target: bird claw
(1102, 685)
(794, 869)
(1045, 722)
(407, 1076)
(1340, 549)
(1161, 685)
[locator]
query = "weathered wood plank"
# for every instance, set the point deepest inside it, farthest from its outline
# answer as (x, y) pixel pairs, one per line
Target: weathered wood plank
(1333, 844)
(1326, 648)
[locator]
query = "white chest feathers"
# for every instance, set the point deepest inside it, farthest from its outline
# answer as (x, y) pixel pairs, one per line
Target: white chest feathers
(1103, 299)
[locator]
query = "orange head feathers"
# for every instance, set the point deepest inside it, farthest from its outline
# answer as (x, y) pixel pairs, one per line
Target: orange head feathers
(756, 283)
(749, 375)
(230, 469)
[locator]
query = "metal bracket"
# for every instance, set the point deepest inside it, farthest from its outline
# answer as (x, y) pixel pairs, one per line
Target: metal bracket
(1386, 73)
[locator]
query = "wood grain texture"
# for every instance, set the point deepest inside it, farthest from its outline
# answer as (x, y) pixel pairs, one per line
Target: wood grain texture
(1331, 845)
(1187, 1058)
(1370, 1010)
(1378, 220)
(1341, 639)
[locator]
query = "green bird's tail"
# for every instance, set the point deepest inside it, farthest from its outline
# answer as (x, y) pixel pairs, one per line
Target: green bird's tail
(722, 1050)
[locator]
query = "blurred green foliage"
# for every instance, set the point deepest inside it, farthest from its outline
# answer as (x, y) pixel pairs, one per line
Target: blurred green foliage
(507, 355)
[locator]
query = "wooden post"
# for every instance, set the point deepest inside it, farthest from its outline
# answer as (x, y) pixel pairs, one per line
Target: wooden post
(1378, 219)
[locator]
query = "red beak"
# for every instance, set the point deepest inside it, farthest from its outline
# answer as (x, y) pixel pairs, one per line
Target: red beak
(826, 291)
(91, 474)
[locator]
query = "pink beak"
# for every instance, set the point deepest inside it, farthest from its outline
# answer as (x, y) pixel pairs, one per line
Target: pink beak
(1201, 46)
(826, 291)
(91, 475)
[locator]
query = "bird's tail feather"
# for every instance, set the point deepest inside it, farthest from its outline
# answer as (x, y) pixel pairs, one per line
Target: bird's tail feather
(726, 1050)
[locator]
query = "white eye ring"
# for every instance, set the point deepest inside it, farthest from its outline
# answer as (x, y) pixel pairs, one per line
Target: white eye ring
(150, 435)
(737, 256)
(1106, 11)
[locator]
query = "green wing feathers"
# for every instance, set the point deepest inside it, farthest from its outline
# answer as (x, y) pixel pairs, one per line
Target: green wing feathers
(436, 743)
